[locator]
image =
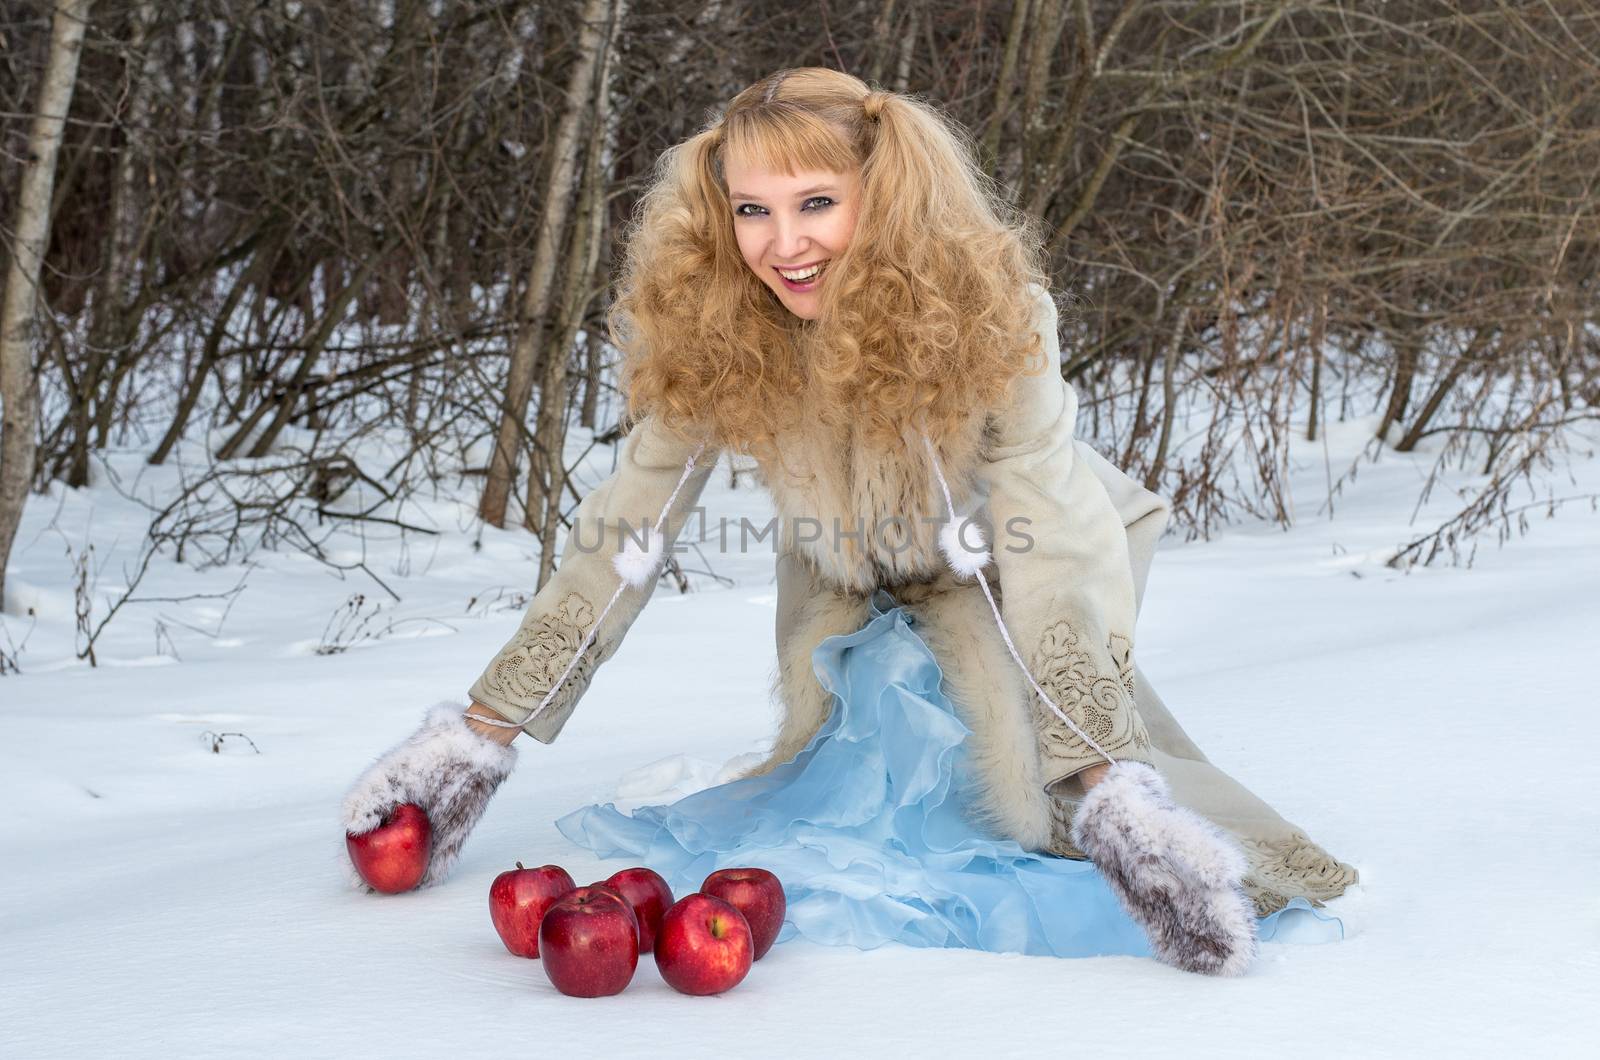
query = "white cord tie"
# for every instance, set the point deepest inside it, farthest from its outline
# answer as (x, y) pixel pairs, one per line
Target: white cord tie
(949, 539)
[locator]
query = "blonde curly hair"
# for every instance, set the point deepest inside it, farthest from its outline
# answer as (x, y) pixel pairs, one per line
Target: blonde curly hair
(927, 316)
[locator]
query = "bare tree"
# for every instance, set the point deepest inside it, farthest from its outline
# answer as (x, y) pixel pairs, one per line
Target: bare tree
(536, 296)
(547, 477)
(18, 387)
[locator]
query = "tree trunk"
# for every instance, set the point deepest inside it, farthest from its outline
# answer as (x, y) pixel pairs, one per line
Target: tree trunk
(551, 430)
(31, 228)
(336, 305)
(115, 322)
(1004, 86)
(1407, 343)
(882, 26)
(1169, 395)
(541, 275)
(591, 380)
(1064, 131)
(902, 63)
(1047, 30)
(195, 380)
(1319, 335)
(1442, 389)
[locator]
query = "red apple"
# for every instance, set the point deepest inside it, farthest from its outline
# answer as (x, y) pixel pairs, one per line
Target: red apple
(518, 900)
(758, 895)
(703, 945)
(589, 942)
(649, 896)
(393, 856)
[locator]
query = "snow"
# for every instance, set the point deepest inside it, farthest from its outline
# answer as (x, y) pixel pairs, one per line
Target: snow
(1434, 728)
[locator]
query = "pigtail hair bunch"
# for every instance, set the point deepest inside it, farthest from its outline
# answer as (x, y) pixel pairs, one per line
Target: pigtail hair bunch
(929, 315)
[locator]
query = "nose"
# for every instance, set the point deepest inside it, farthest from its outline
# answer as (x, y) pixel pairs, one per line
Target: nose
(790, 240)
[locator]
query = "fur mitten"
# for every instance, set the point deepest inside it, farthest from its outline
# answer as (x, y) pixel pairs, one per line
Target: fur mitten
(1175, 872)
(444, 767)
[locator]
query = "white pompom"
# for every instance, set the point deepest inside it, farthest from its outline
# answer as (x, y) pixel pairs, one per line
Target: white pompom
(964, 547)
(638, 565)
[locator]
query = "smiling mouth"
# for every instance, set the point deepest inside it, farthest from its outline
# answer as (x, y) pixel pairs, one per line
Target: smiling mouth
(806, 284)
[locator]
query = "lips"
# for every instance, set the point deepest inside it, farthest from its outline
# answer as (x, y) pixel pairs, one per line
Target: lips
(809, 284)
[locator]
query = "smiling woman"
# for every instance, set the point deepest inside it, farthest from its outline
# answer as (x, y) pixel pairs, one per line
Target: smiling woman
(823, 278)
(789, 226)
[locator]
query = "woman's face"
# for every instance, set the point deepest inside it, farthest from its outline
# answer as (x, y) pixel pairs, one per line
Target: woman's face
(793, 224)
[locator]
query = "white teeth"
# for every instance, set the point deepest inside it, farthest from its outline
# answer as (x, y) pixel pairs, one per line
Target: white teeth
(803, 275)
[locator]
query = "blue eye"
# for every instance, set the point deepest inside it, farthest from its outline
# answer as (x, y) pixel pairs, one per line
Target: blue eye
(738, 211)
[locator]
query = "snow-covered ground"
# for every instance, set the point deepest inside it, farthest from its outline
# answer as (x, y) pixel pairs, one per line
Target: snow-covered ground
(1437, 729)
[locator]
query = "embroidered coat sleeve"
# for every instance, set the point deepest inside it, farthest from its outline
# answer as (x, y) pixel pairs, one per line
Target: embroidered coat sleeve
(1067, 588)
(615, 512)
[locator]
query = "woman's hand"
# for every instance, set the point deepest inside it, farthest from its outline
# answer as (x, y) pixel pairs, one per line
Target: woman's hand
(501, 734)
(450, 767)
(1089, 776)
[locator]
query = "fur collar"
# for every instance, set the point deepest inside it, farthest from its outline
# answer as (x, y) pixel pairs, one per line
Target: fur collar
(860, 514)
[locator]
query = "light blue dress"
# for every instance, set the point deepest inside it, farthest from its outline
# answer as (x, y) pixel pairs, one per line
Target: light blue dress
(869, 830)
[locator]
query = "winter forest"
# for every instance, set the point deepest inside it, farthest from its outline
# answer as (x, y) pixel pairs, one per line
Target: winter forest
(304, 368)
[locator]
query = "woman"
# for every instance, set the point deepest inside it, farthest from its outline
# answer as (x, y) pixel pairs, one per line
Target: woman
(824, 279)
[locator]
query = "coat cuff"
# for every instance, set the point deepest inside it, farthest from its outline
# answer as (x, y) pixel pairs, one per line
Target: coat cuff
(1099, 700)
(544, 728)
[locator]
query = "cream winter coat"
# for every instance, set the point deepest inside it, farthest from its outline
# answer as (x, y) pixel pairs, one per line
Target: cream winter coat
(1072, 540)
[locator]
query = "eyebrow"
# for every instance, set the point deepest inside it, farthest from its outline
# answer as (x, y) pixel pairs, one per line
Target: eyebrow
(798, 194)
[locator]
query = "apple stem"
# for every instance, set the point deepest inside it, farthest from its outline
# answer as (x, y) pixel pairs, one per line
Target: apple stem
(519, 864)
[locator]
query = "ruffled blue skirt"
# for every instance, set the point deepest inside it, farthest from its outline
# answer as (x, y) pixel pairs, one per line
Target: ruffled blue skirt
(869, 829)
